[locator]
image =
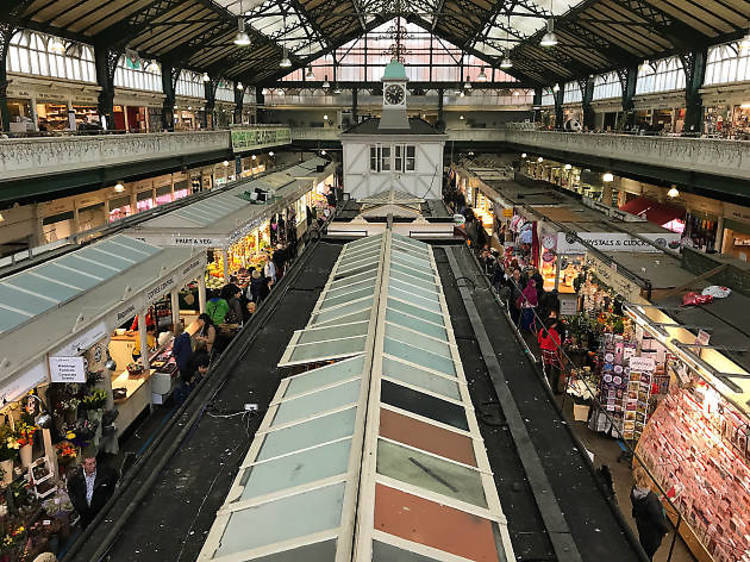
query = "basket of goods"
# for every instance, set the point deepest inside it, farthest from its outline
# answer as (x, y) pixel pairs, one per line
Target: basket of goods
(135, 369)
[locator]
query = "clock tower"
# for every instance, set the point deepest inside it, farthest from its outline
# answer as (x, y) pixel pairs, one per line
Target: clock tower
(394, 97)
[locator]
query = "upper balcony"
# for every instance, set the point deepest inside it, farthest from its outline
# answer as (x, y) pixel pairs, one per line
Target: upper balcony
(30, 166)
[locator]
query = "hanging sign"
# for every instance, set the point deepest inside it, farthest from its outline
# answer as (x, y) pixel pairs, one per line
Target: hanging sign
(67, 369)
(642, 364)
(617, 242)
(203, 241)
(507, 213)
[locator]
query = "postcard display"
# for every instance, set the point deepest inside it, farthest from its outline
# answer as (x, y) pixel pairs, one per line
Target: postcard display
(697, 447)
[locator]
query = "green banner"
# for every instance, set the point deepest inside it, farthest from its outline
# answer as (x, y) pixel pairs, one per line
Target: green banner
(249, 139)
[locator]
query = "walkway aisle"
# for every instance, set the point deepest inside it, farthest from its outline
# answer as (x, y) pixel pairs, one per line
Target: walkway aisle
(592, 521)
(174, 518)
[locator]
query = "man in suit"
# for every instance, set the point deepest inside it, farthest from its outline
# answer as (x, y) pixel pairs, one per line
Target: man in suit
(91, 487)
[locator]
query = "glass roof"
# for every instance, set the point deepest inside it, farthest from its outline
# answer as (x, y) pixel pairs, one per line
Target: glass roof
(429, 468)
(40, 288)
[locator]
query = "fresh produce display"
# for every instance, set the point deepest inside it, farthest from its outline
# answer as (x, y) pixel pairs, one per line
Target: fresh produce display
(247, 252)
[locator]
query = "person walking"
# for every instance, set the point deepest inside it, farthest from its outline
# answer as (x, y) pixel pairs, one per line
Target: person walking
(648, 513)
(529, 302)
(91, 487)
(549, 344)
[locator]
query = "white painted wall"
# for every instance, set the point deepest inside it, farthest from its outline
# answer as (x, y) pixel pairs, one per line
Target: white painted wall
(426, 181)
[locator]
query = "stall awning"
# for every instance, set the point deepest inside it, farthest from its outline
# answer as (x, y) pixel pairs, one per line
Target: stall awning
(653, 211)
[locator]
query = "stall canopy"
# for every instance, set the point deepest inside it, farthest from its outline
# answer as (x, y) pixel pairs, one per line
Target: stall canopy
(46, 306)
(655, 212)
(375, 456)
(219, 220)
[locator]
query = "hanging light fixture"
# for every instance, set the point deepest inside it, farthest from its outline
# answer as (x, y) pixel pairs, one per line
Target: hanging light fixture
(523, 155)
(240, 86)
(467, 85)
(461, 117)
(540, 159)
(270, 153)
(506, 62)
(323, 152)
(326, 84)
(608, 177)
(673, 192)
(337, 90)
(309, 74)
(241, 38)
(556, 88)
(226, 163)
(285, 62)
(745, 42)
(462, 94)
(119, 188)
(325, 117)
(482, 77)
(549, 39)
(57, 46)
(568, 167)
(206, 77)
(253, 157)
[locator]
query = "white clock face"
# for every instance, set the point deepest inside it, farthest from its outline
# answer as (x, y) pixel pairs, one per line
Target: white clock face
(394, 94)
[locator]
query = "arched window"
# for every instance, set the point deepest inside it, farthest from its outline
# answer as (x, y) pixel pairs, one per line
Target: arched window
(727, 64)
(225, 91)
(663, 75)
(39, 54)
(572, 93)
(190, 84)
(607, 86)
(138, 74)
(548, 98)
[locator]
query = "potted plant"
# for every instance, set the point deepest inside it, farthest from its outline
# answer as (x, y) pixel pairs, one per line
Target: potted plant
(70, 409)
(94, 403)
(9, 447)
(25, 439)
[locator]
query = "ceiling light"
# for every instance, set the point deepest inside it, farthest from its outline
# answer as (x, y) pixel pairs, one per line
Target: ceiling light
(241, 38)
(2, 218)
(325, 117)
(309, 74)
(240, 86)
(206, 77)
(482, 77)
(285, 62)
(540, 159)
(506, 63)
(467, 85)
(673, 192)
(190, 108)
(152, 67)
(608, 177)
(326, 84)
(549, 39)
(644, 64)
(462, 94)
(226, 163)
(556, 88)
(323, 152)
(337, 90)
(516, 93)
(57, 46)
(461, 117)
(119, 188)
(568, 167)
(270, 153)
(523, 155)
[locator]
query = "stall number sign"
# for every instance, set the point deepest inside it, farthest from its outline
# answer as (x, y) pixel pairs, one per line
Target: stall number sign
(67, 369)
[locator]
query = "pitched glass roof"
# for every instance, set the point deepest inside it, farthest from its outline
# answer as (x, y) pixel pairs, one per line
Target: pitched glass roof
(417, 455)
(40, 288)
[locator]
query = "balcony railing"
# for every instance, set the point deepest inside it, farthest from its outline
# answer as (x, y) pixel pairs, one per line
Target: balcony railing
(28, 157)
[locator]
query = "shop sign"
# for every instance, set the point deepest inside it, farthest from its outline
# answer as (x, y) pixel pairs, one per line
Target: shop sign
(129, 310)
(616, 242)
(203, 241)
(507, 213)
(608, 274)
(22, 383)
(642, 365)
(67, 369)
(160, 289)
(736, 212)
(82, 342)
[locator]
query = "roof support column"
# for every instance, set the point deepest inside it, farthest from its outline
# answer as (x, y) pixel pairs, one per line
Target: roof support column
(628, 80)
(260, 104)
(239, 102)
(354, 106)
(6, 33)
(559, 117)
(106, 60)
(694, 65)
(169, 76)
(210, 93)
(587, 96)
(536, 106)
(440, 122)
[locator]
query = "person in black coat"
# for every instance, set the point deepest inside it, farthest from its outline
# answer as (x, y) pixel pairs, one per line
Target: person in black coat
(90, 488)
(648, 513)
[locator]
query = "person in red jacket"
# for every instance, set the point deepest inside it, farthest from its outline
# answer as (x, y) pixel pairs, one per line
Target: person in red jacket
(549, 343)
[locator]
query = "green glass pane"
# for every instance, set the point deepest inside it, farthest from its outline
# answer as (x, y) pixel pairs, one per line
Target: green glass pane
(418, 340)
(421, 283)
(431, 473)
(363, 314)
(419, 356)
(328, 350)
(415, 311)
(307, 434)
(420, 378)
(316, 403)
(429, 304)
(416, 324)
(342, 310)
(324, 376)
(342, 299)
(333, 332)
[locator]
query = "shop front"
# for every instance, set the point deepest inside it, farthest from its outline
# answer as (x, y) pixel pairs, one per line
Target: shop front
(736, 232)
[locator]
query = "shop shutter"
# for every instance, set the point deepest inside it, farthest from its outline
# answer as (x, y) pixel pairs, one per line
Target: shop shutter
(181, 185)
(119, 202)
(143, 195)
(91, 208)
(58, 218)
(164, 190)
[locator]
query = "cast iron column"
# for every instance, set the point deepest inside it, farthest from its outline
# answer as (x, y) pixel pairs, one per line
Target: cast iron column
(587, 96)
(628, 80)
(105, 60)
(354, 106)
(208, 109)
(6, 33)
(440, 122)
(169, 77)
(537, 105)
(694, 65)
(559, 117)
(239, 101)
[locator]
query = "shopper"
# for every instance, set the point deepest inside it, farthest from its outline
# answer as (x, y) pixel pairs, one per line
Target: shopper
(549, 344)
(250, 309)
(217, 309)
(182, 351)
(205, 337)
(516, 295)
(279, 260)
(269, 270)
(91, 487)
(257, 282)
(150, 342)
(529, 301)
(232, 294)
(648, 513)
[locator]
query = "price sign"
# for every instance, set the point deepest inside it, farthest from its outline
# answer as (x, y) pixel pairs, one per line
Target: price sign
(67, 369)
